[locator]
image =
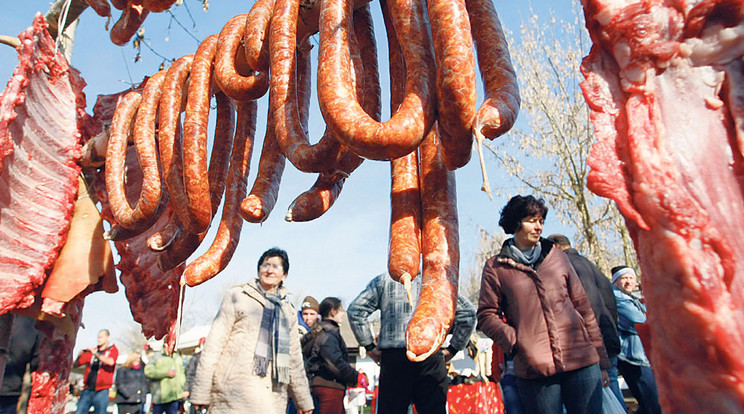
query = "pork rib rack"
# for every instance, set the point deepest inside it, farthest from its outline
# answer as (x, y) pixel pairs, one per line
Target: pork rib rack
(42, 110)
(664, 83)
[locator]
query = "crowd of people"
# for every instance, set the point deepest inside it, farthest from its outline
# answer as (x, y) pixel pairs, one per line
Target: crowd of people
(565, 329)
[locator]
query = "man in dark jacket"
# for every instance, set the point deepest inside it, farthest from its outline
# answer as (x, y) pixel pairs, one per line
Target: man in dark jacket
(23, 350)
(602, 299)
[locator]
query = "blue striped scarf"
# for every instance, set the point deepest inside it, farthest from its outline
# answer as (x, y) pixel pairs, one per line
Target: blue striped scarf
(273, 340)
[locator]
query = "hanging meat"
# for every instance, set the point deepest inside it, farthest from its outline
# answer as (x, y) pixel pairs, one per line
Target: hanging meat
(147, 164)
(41, 117)
(664, 84)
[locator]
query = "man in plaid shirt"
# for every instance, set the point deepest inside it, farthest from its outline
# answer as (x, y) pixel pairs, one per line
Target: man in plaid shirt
(401, 380)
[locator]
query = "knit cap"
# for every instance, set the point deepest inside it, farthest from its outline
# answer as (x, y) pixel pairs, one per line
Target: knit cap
(310, 303)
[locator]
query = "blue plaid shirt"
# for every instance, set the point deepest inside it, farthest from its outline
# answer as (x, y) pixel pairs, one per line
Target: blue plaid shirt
(389, 297)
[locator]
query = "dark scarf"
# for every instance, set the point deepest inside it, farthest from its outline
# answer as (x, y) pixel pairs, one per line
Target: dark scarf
(273, 340)
(526, 257)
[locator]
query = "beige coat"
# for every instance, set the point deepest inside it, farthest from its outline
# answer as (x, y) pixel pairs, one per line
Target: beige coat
(224, 377)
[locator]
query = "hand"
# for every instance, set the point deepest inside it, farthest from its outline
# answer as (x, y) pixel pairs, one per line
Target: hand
(605, 379)
(447, 355)
(171, 373)
(375, 355)
(185, 394)
(305, 412)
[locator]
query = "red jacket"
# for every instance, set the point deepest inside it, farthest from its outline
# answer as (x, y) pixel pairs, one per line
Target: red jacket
(105, 378)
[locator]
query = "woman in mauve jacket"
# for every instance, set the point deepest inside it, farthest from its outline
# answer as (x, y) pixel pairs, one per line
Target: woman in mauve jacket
(328, 364)
(532, 304)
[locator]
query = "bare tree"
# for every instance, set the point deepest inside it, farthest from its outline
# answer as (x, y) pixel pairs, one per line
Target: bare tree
(549, 156)
(488, 245)
(131, 338)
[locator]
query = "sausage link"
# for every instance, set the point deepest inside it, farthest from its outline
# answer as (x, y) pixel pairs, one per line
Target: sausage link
(223, 142)
(262, 198)
(320, 197)
(129, 22)
(255, 36)
(216, 258)
(286, 67)
(195, 137)
(498, 112)
(317, 200)
(456, 90)
(404, 253)
(101, 7)
(147, 153)
(234, 79)
(119, 4)
(435, 311)
(157, 6)
(121, 126)
(364, 33)
(163, 239)
(359, 132)
(186, 242)
(169, 134)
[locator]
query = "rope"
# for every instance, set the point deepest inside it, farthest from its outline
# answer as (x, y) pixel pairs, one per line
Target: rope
(61, 20)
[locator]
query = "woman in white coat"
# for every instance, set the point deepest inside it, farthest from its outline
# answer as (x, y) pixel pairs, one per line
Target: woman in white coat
(252, 356)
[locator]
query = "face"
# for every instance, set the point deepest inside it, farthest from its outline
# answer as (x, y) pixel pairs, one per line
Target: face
(337, 314)
(310, 317)
(627, 283)
(102, 339)
(529, 232)
(271, 274)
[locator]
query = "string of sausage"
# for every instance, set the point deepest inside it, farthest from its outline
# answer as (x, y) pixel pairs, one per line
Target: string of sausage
(216, 258)
(356, 130)
(499, 110)
(435, 311)
(256, 27)
(404, 253)
(143, 214)
(195, 138)
(323, 194)
(231, 72)
(169, 147)
(288, 129)
(456, 91)
(187, 242)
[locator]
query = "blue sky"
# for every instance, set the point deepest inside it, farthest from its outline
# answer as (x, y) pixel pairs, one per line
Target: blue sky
(335, 255)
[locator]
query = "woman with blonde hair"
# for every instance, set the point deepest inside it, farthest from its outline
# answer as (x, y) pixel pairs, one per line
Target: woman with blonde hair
(131, 385)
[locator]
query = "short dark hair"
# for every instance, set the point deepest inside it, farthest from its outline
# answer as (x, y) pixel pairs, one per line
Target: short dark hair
(328, 304)
(274, 252)
(559, 240)
(518, 208)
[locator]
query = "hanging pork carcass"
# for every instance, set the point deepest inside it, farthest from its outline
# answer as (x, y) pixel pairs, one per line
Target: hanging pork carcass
(664, 84)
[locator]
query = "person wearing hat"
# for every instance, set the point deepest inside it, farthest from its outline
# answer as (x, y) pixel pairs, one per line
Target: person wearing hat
(309, 314)
(632, 363)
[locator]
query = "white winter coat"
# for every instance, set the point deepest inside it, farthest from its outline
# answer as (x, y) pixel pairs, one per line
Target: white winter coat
(224, 377)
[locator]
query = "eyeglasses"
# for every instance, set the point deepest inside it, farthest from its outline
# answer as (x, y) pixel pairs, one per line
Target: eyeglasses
(267, 266)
